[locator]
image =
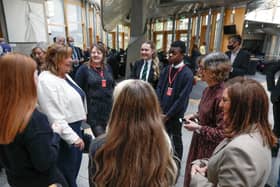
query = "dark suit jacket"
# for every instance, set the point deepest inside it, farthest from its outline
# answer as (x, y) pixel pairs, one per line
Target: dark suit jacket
(136, 70)
(271, 85)
(241, 63)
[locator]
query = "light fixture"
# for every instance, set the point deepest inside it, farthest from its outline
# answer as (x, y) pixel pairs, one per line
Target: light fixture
(246, 24)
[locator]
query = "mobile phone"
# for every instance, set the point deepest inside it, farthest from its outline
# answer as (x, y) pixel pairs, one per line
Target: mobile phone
(183, 121)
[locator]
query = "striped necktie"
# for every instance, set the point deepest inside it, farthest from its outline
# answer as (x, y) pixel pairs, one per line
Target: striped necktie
(144, 73)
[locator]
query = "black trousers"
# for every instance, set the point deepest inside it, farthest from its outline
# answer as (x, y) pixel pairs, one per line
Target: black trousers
(276, 117)
(174, 130)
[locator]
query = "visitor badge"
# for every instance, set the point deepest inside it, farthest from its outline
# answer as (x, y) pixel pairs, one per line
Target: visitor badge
(169, 91)
(103, 83)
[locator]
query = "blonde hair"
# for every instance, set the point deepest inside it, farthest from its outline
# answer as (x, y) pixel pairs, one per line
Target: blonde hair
(155, 60)
(18, 94)
(136, 151)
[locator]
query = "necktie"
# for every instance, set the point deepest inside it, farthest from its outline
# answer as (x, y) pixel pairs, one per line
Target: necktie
(145, 69)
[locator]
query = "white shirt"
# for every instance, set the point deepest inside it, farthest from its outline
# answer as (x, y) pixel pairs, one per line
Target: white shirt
(61, 103)
(233, 56)
(148, 70)
(178, 65)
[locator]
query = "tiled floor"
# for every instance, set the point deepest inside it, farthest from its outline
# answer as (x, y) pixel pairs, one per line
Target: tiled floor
(195, 95)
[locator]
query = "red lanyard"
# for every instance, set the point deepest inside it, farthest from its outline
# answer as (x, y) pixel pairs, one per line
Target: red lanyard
(171, 80)
(101, 72)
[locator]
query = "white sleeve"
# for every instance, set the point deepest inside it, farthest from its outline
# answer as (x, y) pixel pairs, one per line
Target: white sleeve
(52, 105)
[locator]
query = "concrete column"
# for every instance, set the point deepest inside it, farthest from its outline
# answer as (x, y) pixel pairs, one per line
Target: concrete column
(87, 22)
(137, 33)
(173, 28)
(208, 30)
(197, 34)
(94, 24)
(189, 34)
(118, 37)
(219, 30)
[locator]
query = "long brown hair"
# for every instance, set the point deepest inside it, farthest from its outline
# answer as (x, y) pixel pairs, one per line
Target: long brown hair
(136, 151)
(249, 106)
(18, 94)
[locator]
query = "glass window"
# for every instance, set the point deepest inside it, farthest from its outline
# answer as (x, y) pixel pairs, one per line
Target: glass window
(158, 26)
(110, 40)
(55, 11)
(74, 19)
(183, 24)
(56, 26)
(159, 41)
(184, 37)
(169, 25)
(169, 41)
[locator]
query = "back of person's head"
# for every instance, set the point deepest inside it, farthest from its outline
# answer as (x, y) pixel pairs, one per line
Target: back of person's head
(237, 38)
(249, 106)
(56, 54)
(136, 151)
(179, 44)
(219, 64)
(18, 94)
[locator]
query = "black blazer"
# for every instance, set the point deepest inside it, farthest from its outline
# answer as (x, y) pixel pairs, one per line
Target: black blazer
(136, 70)
(241, 63)
(271, 85)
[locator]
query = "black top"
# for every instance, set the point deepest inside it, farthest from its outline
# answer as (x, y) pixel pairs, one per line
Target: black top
(174, 106)
(99, 98)
(30, 159)
(94, 146)
(241, 63)
(136, 71)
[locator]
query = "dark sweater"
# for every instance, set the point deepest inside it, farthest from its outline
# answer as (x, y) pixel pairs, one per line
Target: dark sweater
(30, 159)
(174, 106)
(99, 99)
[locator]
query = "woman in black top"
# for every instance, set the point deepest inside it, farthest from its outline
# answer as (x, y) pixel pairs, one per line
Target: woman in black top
(28, 146)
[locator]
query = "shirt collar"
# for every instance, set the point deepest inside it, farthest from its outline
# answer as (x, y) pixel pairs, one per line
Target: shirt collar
(178, 65)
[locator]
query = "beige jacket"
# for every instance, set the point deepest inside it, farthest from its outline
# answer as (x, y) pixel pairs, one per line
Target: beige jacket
(243, 161)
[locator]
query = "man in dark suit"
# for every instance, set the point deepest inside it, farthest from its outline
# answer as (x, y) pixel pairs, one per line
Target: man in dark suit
(273, 74)
(77, 56)
(239, 58)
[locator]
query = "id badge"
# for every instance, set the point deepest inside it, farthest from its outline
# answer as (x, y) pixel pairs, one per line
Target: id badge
(103, 83)
(169, 91)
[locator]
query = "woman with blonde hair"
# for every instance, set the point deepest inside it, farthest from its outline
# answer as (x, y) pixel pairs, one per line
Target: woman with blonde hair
(243, 158)
(28, 146)
(135, 150)
(63, 101)
(147, 68)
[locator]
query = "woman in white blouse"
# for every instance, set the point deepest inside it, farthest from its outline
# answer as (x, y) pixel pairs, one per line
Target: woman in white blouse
(61, 99)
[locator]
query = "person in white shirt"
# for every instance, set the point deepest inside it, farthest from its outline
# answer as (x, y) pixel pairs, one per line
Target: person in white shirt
(63, 101)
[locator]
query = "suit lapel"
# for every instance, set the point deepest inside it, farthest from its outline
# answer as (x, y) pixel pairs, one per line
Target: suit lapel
(221, 146)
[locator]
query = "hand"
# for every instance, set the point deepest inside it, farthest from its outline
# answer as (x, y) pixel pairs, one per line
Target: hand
(79, 144)
(57, 128)
(192, 126)
(197, 169)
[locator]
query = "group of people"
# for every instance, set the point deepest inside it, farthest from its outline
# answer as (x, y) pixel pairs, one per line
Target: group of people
(137, 122)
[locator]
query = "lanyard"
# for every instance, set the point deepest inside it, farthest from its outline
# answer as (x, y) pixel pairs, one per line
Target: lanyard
(171, 80)
(101, 72)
